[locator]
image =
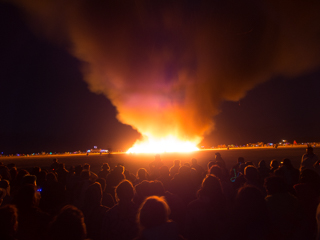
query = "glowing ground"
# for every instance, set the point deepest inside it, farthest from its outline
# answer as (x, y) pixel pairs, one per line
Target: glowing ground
(134, 161)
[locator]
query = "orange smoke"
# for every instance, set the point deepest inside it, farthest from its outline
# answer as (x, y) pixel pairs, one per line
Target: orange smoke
(167, 65)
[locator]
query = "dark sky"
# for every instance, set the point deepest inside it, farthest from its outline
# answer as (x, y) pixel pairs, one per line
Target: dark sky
(45, 104)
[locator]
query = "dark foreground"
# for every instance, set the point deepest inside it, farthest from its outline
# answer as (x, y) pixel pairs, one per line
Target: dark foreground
(233, 201)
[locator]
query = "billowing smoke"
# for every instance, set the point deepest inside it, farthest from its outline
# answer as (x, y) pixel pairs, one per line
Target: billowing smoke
(167, 65)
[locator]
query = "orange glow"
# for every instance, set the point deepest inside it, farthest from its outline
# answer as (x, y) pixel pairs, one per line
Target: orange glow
(167, 144)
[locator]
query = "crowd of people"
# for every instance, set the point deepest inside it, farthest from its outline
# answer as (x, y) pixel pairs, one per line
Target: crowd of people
(182, 201)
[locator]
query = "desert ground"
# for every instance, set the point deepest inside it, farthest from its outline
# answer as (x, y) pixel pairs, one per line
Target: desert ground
(133, 162)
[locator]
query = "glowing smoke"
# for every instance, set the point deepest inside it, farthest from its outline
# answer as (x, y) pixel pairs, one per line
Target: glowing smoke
(167, 65)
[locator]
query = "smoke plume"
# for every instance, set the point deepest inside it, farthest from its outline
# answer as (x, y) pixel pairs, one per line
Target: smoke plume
(167, 65)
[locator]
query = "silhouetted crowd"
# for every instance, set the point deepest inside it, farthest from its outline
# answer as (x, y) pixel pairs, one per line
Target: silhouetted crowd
(163, 202)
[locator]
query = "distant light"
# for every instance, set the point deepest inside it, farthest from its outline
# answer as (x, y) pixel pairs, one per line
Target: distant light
(95, 147)
(50, 153)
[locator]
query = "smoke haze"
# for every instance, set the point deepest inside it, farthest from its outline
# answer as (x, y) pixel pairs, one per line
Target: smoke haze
(167, 65)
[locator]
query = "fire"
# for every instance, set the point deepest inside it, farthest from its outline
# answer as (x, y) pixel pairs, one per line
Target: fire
(167, 144)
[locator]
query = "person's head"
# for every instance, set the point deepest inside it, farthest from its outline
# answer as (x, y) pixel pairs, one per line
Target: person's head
(5, 184)
(210, 164)
(309, 150)
(157, 157)
(262, 164)
(217, 171)
(42, 177)
(143, 189)
(251, 173)
(102, 182)
(187, 164)
(184, 170)
(287, 163)
(21, 174)
(78, 169)
(4, 172)
(3, 193)
(68, 225)
(142, 174)
(51, 178)
(93, 195)
(119, 169)
(61, 166)
(194, 161)
(311, 178)
(129, 175)
(154, 211)
(156, 188)
(8, 220)
(274, 164)
(27, 197)
(250, 203)
(36, 170)
(249, 194)
(211, 187)
(124, 191)
(249, 163)
(29, 179)
(86, 166)
(13, 172)
(217, 156)
(176, 162)
(71, 170)
(105, 166)
(164, 171)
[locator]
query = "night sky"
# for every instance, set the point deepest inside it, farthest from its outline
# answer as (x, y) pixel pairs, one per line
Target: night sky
(46, 105)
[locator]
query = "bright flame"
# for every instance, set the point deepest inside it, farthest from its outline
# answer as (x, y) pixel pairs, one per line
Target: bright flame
(168, 144)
